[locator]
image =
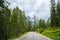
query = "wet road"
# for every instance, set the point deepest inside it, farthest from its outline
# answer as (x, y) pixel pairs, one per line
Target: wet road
(33, 36)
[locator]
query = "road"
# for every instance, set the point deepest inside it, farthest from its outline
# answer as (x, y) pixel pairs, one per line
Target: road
(33, 36)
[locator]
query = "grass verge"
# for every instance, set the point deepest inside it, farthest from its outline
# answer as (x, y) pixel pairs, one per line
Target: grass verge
(18, 36)
(53, 33)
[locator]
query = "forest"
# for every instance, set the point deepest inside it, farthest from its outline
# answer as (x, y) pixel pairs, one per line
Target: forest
(14, 23)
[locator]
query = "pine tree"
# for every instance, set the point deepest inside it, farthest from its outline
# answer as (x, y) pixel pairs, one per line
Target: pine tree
(6, 20)
(22, 21)
(29, 25)
(42, 24)
(14, 23)
(58, 12)
(54, 17)
(2, 23)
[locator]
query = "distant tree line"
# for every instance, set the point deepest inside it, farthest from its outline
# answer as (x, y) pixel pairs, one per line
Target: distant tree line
(54, 20)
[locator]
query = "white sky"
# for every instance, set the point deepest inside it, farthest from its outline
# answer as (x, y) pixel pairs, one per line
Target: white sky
(40, 8)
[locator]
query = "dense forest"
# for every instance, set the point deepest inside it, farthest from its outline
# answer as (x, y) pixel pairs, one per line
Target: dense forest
(14, 23)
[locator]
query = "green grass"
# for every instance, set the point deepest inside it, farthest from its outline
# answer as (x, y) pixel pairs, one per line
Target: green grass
(18, 36)
(53, 33)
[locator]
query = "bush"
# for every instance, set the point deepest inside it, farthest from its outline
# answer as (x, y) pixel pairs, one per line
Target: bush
(53, 33)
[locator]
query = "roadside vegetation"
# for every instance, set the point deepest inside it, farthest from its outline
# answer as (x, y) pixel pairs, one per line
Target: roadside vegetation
(52, 27)
(53, 33)
(14, 23)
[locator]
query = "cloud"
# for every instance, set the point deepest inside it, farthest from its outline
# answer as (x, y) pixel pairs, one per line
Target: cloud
(40, 8)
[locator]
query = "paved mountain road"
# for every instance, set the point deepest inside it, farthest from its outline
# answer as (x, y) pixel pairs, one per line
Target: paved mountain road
(33, 36)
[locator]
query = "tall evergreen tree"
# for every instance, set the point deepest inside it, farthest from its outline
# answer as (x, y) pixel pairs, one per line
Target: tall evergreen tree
(48, 23)
(42, 24)
(54, 17)
(3, 36)
(34, 22)
(58, 12)
(14, 23)
(6, 20)
(21, 21)
(29, 25)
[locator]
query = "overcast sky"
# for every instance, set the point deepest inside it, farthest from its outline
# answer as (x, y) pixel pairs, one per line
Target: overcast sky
(39, 8)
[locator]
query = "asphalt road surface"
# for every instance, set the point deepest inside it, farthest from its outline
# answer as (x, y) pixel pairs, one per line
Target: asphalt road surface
(33, 36)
